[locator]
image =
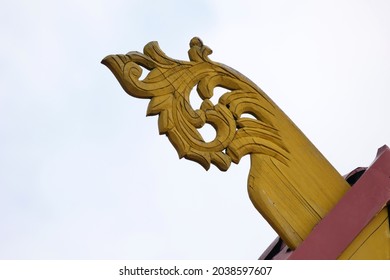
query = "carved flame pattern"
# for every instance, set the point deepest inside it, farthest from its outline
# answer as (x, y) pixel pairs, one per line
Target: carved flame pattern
(169, 83)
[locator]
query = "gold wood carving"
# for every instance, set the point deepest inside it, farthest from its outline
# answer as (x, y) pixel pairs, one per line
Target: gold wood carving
(290, 183)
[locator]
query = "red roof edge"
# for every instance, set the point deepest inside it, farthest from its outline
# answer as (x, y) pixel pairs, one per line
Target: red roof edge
(332, 235)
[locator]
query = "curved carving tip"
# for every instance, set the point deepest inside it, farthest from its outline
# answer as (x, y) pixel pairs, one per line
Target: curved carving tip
(116, 64)
(106, 60)
(112, 63)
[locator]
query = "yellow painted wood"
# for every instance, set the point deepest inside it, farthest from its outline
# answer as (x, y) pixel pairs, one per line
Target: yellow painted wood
(373, 242)
(290, 182)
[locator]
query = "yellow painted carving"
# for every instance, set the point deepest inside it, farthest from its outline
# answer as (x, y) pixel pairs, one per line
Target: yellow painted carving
(290, 183)
(373, 242)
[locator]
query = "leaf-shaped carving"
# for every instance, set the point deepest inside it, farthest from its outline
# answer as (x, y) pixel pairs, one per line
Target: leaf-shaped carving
(169, 85)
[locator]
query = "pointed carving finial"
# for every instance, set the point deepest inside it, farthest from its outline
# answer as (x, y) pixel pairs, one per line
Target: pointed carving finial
(198, 51)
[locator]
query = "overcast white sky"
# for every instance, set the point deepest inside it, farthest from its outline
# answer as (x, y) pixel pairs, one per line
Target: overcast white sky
(85, 175)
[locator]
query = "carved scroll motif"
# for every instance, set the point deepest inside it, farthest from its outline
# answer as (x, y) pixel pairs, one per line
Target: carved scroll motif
(169, 84)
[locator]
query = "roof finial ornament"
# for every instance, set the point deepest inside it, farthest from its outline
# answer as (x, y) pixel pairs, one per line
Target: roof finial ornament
(290, 182)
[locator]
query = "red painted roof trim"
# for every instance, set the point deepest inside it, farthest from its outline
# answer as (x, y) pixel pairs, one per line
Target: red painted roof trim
(368, 196)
